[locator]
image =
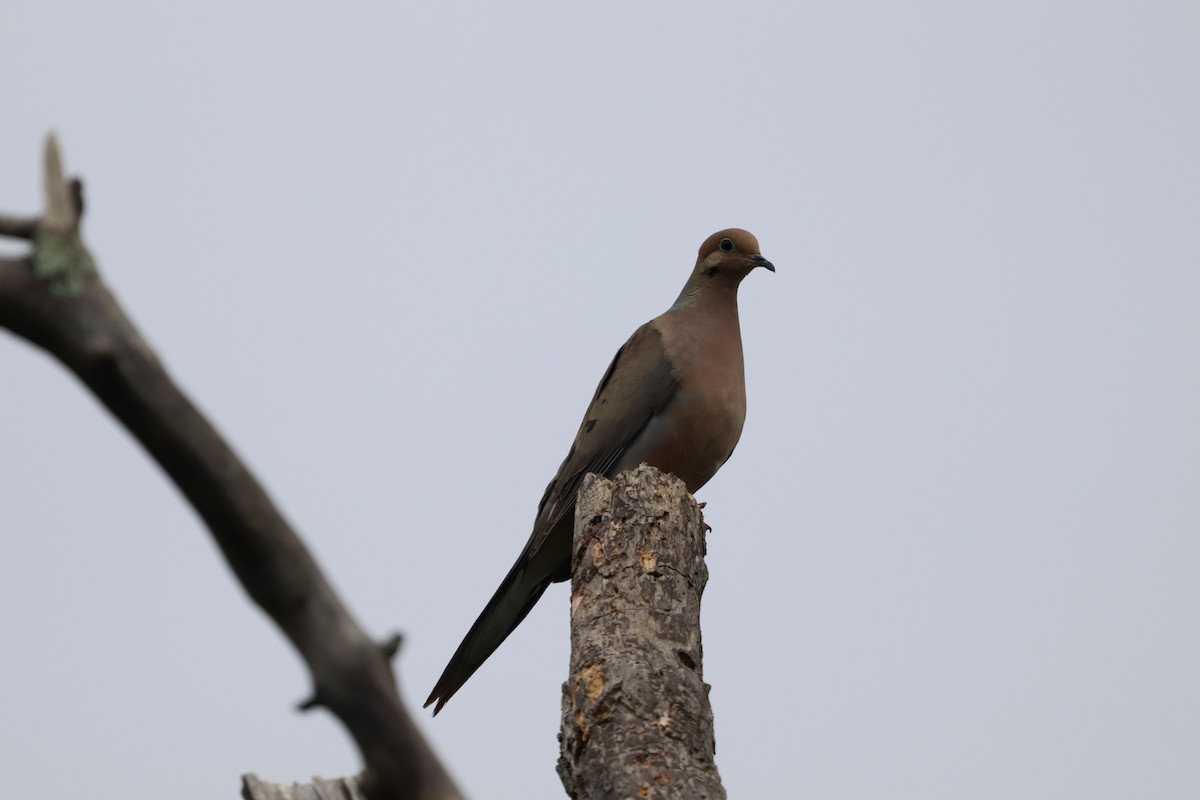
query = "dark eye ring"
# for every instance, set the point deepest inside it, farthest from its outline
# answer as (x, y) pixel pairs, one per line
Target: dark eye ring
(726, 244)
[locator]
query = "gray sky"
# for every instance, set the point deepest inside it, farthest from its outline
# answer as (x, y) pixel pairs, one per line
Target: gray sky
(390, 249)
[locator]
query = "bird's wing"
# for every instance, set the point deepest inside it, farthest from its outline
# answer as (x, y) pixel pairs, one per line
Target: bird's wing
(638, 384)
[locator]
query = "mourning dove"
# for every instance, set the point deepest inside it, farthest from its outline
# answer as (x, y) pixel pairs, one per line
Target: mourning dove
(674, 397)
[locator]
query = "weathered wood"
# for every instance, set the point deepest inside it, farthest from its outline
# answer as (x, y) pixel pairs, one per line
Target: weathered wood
(319, 789)
(56, 299)
(636, 718)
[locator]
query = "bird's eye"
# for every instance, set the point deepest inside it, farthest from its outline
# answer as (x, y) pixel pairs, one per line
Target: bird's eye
(726, 244)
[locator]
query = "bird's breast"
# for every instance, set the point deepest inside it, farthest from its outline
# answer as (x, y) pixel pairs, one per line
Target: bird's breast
(694, 435)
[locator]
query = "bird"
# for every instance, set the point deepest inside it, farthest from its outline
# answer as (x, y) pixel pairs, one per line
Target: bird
(674, 397)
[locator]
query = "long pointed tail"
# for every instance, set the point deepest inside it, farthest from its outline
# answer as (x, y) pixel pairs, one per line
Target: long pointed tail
(517, 594)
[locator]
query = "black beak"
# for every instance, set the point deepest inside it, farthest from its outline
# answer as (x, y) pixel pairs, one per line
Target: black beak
(759, 261)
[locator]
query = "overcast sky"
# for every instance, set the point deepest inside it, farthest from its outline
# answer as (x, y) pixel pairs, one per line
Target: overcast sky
(390, 249)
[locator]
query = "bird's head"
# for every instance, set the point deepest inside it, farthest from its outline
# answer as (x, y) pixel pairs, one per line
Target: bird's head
(728, 256)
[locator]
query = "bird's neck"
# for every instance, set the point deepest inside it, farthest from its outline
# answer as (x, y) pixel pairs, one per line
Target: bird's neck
(713, 305)
(703, 324)
(705, 296)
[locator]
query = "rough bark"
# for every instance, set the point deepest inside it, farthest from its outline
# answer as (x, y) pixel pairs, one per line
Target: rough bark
(57, 300)
(636, 718)
(319, 789)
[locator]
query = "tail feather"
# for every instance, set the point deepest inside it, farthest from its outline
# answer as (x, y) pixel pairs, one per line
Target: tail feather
(518, 593)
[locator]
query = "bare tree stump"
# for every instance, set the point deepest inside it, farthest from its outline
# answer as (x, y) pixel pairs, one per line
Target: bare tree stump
(636, 718)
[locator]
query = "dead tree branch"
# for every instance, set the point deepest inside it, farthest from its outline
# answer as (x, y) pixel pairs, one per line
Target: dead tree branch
(55, 299)
(636, 718)
(318, 789)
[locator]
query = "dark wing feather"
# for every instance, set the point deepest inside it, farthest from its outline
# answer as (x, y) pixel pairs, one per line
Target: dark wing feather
(638, 384)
